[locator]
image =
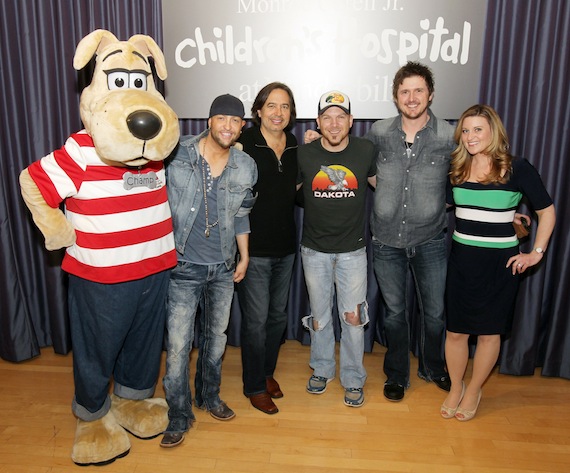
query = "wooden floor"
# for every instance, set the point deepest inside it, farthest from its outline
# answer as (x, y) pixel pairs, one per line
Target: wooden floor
(523, 425)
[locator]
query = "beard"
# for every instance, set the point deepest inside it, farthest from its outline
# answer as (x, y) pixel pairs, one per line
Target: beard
(222, 141)
(336, 139)
(414, 113)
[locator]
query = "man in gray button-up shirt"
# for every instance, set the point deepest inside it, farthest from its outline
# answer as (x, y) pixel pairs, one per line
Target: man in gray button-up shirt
(408, 222)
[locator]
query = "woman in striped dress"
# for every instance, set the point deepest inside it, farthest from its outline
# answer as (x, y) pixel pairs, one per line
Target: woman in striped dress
(485, 264)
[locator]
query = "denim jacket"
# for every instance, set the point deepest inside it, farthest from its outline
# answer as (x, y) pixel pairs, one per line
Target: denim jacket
(409, 200)
(185, 194)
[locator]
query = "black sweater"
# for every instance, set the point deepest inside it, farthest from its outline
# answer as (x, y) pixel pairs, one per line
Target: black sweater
(273, 232)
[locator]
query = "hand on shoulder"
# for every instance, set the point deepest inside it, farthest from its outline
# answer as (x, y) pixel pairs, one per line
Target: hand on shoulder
(311, 135)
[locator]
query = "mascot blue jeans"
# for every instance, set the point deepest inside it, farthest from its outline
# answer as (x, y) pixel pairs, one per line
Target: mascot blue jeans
(117, 332)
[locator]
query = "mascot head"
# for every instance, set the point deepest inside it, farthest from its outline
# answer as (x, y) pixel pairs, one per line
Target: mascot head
(127, 118)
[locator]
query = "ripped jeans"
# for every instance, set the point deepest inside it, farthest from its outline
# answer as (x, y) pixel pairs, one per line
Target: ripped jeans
(347, 272)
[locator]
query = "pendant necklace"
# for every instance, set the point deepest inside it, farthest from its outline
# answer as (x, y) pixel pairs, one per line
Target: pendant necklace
(205, 188)
(408, 148)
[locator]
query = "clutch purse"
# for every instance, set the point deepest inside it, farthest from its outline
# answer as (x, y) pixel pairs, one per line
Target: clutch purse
(521, 229)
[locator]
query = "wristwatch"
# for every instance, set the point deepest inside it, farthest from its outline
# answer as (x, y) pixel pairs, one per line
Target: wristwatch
(539, 250)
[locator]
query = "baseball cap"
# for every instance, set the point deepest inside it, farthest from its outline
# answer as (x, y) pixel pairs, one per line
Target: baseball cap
(334, 98)
(227, 105)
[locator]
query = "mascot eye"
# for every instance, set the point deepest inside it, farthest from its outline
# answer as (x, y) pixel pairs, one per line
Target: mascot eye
(118, 80)
(137, 80)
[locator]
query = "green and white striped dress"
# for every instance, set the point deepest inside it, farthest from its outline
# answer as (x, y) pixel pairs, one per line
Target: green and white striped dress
(481, 291)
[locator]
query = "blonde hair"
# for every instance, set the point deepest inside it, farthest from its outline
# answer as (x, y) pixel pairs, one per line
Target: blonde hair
(498, 149)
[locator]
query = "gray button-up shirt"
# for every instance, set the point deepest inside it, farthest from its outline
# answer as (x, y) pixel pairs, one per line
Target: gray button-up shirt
(409, 201)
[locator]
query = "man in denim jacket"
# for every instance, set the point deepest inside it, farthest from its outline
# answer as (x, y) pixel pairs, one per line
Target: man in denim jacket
(210, 186)
(408, 223)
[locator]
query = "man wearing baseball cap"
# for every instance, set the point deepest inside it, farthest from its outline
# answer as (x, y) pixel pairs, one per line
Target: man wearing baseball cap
(334, 172)
(210, 186)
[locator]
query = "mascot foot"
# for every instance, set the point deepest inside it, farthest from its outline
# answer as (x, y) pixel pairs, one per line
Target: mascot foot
(99, 442)
(146, 418)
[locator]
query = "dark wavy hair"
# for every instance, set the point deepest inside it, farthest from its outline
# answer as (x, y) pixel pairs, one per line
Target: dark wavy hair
(262, 97)
(409, 70)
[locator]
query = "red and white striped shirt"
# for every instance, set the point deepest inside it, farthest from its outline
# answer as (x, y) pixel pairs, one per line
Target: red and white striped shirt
(121, 216)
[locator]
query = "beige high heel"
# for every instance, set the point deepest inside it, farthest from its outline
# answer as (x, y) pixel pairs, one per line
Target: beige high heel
(468, 415)
(449, 412)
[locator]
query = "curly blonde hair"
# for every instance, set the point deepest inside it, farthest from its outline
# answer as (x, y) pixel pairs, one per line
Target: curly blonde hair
(498, 149)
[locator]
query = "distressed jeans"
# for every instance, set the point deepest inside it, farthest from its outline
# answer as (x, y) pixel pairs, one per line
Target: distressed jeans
(347, 272)
(211, 287)
(428, 264)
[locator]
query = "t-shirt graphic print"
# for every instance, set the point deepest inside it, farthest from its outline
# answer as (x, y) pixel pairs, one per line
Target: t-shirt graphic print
(334, 182)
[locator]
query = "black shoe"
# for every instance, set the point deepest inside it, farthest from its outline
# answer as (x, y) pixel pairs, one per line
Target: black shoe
(443, 382)
(393, 392)
(172, 439)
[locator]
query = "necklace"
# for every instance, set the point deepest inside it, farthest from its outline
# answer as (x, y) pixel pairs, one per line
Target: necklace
(408, 148)
(205, 188)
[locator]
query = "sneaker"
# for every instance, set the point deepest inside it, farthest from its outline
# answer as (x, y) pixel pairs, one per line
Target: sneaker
(354, 397)
(318, 384)
(220, 412)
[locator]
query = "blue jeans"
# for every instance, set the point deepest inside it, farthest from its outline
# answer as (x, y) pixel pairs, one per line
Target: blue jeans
(117, 332)
(263, 295)
(347, 272)
(428, 263)
(212, 287)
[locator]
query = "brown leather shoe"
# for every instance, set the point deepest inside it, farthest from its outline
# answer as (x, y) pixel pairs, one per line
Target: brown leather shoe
(273, 388)
(264, 403)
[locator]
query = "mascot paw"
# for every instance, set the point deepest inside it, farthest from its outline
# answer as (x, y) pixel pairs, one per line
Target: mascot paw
(145, 418)
(99, 442)
(57, 230)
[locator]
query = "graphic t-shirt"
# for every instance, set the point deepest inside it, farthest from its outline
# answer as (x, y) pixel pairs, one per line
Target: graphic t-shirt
(334, 194)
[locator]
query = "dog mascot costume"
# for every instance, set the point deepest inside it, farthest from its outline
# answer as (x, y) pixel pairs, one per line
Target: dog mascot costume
(117, 229)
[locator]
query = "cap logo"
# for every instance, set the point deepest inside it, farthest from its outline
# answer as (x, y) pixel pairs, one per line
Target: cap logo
(335, 99)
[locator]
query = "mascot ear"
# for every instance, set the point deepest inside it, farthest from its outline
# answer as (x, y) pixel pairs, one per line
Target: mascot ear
(91, 44)
(147, 46)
